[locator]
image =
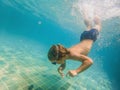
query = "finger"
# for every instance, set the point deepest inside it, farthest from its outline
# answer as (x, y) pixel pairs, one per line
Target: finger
(69, 74)
(62, 74)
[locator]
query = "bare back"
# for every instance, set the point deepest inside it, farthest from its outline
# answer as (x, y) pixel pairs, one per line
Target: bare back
(83, 47)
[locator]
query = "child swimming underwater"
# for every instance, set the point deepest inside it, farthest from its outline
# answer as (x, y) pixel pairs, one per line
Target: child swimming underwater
(58, 54)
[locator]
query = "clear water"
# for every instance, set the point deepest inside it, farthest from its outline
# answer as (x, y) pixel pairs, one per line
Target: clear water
(29, 28)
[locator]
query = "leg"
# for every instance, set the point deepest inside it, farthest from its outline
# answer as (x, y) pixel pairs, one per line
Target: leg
(87, 20)
(97, 23)
(88, 24)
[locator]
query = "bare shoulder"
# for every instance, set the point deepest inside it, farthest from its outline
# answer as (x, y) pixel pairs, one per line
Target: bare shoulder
(74, 55)
(78, 56)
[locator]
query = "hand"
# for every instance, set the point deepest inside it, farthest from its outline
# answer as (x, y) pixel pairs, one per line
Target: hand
(72, 73)
(62, 75)
(60, 72)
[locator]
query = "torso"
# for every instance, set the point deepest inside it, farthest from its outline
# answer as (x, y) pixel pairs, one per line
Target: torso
(82, 48)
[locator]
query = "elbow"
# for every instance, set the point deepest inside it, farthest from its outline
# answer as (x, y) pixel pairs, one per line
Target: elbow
(90, 62)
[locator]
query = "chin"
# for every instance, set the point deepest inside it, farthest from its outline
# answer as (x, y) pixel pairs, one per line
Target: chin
(60, 63)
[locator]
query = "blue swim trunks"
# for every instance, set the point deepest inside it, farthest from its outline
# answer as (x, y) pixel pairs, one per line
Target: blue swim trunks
(91, 34)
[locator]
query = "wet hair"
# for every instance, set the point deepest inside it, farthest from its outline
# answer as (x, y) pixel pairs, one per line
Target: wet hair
(57, 50)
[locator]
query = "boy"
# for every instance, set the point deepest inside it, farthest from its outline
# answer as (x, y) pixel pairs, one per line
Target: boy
(59, 54)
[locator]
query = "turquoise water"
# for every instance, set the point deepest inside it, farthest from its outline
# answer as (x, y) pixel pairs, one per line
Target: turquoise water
(29, 28)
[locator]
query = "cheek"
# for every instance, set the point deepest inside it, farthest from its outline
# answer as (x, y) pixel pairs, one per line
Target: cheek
(60, 62)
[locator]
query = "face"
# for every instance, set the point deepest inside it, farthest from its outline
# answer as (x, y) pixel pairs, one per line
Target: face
(58, 58)
(61, 61)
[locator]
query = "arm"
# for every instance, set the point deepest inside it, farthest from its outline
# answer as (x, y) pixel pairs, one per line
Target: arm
(86, 63)
(61, 68)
